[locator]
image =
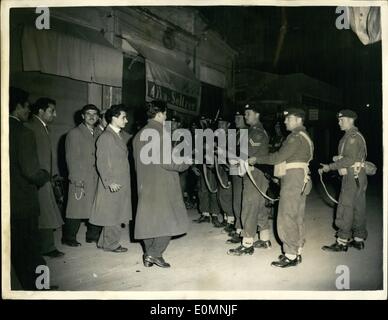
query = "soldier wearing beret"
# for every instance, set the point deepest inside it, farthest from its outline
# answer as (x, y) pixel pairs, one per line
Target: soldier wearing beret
(350, 218)
(291, 166)
(254, 213)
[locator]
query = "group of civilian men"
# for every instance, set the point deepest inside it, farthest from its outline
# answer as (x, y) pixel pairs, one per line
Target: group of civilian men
(97, 157)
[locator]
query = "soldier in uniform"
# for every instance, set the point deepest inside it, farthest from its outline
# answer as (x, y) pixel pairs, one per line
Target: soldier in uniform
(225, 195)
(208, 203)
(292, 159)
(254, 214)
(237, 186)
(351, 218)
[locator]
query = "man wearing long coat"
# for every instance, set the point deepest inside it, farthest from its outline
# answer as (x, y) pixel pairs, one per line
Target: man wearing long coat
(50, 217)
(25, 178)
(81, 162)
(161, 212)
(112, 203)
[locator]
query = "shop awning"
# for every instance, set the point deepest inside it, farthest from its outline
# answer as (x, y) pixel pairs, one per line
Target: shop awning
(89, 57)
(168, 78)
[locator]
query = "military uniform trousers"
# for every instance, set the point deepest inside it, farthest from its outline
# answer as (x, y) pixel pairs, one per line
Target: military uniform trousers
(290, 221)
(351, 215)
(208, 201)
(237, 186)
(254, 214)
(225, 196)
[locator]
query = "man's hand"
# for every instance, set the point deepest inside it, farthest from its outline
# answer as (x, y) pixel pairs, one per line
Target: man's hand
(325, 168)
(79, 184)
(233, 162)
(252, 161)
(114, 187)
(196, 171)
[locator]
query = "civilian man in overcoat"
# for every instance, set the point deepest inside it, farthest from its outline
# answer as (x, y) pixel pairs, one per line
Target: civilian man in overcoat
(161, 212)
(81, 162)
(112, 203)
(50, 217)
(25, 178)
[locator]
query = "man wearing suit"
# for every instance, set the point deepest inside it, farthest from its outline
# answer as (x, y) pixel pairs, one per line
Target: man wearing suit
(25, 178)
(112, 204)
(81, 162)
(50, 217)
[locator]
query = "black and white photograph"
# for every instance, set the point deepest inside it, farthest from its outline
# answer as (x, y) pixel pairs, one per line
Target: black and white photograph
(210, 150)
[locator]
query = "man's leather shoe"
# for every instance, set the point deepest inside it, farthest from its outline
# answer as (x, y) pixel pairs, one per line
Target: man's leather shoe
(260, 244)
(359, 245)
(285, 262)
(120, 249)
(147, 263)
(241, 251)
(202, 218)
(71, 243)
(54, 254)
(336, 247)
(159, 261)
(235, 238)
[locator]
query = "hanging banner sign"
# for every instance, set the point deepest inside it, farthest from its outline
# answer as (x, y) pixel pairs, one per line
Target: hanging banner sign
(181, 92)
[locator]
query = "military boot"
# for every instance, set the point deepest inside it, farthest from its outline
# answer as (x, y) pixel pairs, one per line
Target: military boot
(359, 245)
(234, 238)
(241, 251)
(216, 222)
(336, 247)
(285, 262)
(260, 244)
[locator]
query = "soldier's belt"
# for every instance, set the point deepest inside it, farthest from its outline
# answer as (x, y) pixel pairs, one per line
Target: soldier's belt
(280, 169)
(356, 167)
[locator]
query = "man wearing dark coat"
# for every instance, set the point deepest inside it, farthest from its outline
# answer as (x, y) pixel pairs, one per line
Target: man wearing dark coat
(112, 203)
(50, 217)
(25, 178)
(81, 162)
(161, 212)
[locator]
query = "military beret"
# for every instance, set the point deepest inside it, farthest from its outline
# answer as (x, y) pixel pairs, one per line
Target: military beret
(347, 113)
(252, 107)
(294, 112)
(220, 120)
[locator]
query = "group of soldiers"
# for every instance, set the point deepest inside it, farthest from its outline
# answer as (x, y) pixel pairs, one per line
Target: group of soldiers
(242, 198)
